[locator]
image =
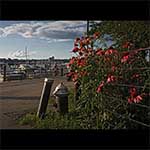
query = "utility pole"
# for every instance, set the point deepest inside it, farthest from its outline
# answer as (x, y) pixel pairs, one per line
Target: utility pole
(87, 27)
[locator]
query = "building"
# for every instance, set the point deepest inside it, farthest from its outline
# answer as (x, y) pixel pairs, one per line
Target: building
(32, 64)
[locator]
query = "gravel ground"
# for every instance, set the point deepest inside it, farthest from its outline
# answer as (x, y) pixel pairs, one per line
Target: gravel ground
(20, 97)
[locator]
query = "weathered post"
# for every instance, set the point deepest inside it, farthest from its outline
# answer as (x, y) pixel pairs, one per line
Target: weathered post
(61, 94)
(44, 97)
(4, 77)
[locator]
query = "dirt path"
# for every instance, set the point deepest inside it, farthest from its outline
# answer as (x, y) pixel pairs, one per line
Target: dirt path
(20, 97)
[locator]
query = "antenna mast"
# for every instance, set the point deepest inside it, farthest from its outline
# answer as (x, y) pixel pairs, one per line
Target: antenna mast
(26, 53)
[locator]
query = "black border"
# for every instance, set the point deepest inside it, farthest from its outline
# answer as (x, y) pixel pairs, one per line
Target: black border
(68, 139)
(75, 10)
(71, 10)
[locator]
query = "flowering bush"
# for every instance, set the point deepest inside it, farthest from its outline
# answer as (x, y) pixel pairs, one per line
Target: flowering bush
(110, 80)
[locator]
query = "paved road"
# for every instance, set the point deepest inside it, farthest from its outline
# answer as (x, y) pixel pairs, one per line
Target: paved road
(20, 97)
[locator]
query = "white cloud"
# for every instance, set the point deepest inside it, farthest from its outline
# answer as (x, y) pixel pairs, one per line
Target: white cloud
(57, 30)
(63, 40)
(58, 40)
(20, 54)
(27, 34)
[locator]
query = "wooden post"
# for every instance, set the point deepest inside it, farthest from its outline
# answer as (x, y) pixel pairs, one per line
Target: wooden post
(4, 77)
(44, 97)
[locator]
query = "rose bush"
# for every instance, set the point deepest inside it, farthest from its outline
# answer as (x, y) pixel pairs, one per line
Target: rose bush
(110, 81)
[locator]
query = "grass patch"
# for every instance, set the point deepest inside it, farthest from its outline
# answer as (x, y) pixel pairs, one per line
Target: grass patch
(28, 119)
(54, 120)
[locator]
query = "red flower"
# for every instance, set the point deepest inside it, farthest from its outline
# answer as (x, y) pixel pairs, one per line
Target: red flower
(72, 61)
(70, 74)
(88, 40)
(82, 44)
(135, 76)
(99, 89)
(125, 58)
(127, 45)
(81, 62)
(130, 100)
(111, 78)
(137, 99)
(83, 49)
(75, 77)
(100, 52)
(96, 34)
(113, 68)
(133, 92)
(76, 49)
(111, 51)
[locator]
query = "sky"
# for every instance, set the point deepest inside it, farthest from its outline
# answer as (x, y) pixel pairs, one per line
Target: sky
(42, 39)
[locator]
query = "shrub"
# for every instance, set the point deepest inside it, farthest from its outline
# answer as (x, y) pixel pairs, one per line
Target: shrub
(110, 81)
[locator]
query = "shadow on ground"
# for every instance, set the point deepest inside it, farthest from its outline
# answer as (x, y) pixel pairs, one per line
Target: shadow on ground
(20, 97)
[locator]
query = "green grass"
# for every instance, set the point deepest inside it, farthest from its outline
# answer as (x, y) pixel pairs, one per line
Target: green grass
(54, 120)
(28, 119)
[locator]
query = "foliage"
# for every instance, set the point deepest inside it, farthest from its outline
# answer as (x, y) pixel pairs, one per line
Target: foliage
(28, 119)
(110, 80)
(136, 32)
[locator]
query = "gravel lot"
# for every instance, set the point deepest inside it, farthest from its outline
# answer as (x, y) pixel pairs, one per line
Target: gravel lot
(20, 97)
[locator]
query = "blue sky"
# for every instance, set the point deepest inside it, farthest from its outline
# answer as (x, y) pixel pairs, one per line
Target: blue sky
(43, 39)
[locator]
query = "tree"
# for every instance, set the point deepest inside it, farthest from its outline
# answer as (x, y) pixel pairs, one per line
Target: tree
(135, 32)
